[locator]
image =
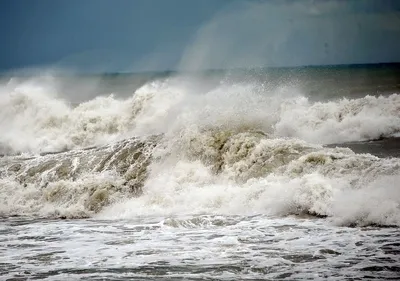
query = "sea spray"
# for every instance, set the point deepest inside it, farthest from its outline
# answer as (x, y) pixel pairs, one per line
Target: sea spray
(237, 148)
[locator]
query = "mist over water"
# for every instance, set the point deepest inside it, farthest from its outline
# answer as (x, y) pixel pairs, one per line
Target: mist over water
(253, 34)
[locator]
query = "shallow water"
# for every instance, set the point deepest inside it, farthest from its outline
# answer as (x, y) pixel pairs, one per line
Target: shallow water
(196, 248)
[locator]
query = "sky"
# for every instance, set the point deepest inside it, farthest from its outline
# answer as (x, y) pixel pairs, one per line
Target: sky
(147, 35)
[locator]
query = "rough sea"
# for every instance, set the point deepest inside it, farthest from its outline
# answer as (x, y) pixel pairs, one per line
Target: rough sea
(260, 174)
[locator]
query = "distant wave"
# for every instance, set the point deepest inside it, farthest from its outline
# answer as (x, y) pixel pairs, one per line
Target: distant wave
(33, 119)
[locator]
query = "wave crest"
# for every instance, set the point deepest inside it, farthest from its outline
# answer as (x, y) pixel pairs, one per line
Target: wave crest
(35, 120)
(233, 149)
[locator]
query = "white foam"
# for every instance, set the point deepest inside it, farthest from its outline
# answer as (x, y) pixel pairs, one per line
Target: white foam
(232, 149)
(59, 198)
(315, 183)
(375, 203)
(340, 121)
(35, 119)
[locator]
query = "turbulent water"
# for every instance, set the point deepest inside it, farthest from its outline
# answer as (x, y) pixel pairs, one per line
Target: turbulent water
(281, 174)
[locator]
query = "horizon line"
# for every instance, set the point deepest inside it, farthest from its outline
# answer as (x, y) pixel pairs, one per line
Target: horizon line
(66, 71)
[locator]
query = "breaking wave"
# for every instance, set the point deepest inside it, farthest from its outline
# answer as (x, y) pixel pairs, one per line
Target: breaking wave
(171, 148)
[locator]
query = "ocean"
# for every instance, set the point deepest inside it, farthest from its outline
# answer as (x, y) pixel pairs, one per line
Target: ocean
(245, 174)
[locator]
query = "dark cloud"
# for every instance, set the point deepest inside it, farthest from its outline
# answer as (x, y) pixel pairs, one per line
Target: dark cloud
(124, 35)
(295, 33)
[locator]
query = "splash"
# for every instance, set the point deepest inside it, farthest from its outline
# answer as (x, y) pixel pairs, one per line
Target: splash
(172, 148)
(34, 119)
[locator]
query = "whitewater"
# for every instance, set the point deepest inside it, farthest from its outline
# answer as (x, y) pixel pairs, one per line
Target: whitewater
(193, 177)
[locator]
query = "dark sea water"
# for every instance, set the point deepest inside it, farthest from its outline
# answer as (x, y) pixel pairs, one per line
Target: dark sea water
(261, 174)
